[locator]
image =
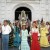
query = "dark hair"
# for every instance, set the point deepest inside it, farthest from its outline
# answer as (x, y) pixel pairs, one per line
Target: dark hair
(6, 21)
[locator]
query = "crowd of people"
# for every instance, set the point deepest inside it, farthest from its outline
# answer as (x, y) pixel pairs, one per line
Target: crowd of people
(26, 36)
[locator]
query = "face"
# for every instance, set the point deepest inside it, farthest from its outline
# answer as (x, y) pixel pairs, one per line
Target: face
(27, 25)
(47, 23)
(11, 24)
(18, 24)
(43, 24)
(34, 25)
(5, 23)
(23, 27)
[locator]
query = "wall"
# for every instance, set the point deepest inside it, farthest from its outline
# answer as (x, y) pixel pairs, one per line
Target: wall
(39, 9)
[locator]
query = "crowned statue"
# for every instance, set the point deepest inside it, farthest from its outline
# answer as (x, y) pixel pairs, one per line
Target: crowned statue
(23, 17)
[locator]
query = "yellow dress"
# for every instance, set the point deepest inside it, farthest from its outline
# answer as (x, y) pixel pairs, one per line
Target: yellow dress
(43, 39)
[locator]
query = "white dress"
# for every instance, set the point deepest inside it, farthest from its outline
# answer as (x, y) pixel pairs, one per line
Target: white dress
(24, 42)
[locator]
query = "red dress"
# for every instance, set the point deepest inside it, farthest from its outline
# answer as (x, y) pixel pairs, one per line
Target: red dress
(35, 43)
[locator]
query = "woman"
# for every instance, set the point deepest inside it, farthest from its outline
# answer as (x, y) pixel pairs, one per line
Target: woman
(17, 39)
(43, 38)
(24, 35)
(35, 37)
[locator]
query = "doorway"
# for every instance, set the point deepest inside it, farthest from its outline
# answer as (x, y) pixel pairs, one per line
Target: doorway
(27, 11)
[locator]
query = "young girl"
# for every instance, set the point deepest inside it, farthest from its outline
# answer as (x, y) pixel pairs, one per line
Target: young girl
(43, 38)
(24, 35)
(34, 34)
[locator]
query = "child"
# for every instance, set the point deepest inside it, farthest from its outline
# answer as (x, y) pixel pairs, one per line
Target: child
(24, 35)
(34, 34)
(43, 38)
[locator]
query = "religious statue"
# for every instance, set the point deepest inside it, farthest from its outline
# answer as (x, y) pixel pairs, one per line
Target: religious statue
(23, 17)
